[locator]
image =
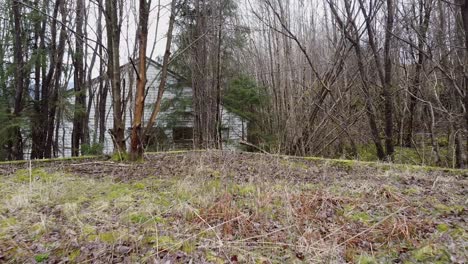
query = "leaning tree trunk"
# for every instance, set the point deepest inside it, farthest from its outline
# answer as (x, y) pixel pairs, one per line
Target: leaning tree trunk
(352, 34)
(164, 71)
(384, 70)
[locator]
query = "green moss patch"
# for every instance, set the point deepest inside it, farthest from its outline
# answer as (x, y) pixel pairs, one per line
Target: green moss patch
(41, 257)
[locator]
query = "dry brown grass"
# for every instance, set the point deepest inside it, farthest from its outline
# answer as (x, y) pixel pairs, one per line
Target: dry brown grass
(219, 207)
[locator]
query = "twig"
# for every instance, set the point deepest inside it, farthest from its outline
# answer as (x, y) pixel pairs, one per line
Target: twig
(30, 176)
(220, 241)
(371, 228)
(199, 233)
(109, 163)
(242, 142)
(134, 67)
(115, 142)
(264, 235)
(435, 181)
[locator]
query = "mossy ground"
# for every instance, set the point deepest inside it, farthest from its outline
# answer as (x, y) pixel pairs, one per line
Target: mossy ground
(422, 155)
(221, 207)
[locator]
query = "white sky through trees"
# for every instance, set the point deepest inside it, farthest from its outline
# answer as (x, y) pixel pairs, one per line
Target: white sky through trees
(156, 36)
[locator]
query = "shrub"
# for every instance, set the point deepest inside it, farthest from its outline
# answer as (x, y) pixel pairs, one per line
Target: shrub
(94, 149)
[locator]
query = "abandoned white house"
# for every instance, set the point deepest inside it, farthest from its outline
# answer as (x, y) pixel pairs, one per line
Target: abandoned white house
(174, 125)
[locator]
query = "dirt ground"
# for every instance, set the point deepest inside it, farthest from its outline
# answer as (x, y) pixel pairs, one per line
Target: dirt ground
(226, 207)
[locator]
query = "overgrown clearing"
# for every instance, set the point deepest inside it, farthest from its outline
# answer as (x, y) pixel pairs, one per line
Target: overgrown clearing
(222, 207)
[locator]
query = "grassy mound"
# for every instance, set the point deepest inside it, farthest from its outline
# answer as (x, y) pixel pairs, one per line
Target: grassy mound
(221, 207)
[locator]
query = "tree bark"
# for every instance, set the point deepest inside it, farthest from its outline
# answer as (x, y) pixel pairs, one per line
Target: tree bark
(218, 118)
(137, 140)
(464, 14)
(79, 82)
(384, 71)
(353, 36)
(55, 74)
(164, 70)
(16, 140)
(37, 144)
(113, 48)
(425, 9)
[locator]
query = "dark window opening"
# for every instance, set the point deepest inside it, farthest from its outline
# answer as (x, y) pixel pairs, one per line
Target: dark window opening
(182, 134)
(156, 140)
(225, 134)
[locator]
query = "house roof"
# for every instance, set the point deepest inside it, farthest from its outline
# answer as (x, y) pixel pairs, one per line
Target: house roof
(156, 64)
(150, 62)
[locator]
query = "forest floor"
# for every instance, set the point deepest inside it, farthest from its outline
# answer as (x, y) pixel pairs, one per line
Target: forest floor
(224, 207)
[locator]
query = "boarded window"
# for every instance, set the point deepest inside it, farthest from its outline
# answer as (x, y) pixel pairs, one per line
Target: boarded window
(182, 134)
(225, 134)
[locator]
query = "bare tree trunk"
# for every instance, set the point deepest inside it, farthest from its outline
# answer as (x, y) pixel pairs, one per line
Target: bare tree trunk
(16, 144)
(101, 96)
(37, 146)
(50, 93)
(388, 89)
(384, 71)
(113, 26)
(353, 36)
(79, 83)
(434, 143)
(203, 98)
(425, 8)
(48, 81)
(464, 14)
(164, 70)
(459, 151)
(218, 118)
(103, 91)
(137, 140)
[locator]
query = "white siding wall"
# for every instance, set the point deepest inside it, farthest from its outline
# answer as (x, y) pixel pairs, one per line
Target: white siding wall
(65, 138)
(128, 92)
(236, 128)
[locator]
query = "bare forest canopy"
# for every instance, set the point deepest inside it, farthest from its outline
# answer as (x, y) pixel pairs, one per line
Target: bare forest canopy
(362, 79)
